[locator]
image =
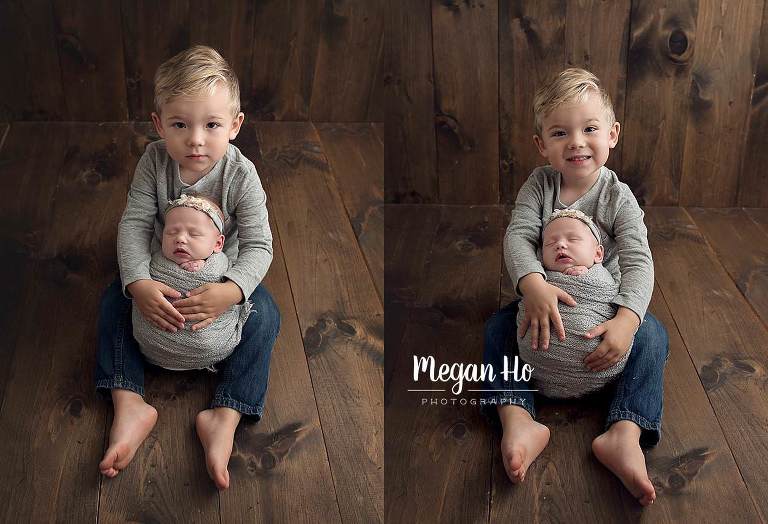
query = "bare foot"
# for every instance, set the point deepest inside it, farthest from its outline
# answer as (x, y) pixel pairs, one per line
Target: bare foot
(133, 421)
(619, 450)
(523, 440)
(216, 429)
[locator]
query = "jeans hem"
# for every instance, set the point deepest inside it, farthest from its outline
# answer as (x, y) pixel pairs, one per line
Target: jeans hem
(651, 431)
(116, 383)
(245, 409)
(492, 403)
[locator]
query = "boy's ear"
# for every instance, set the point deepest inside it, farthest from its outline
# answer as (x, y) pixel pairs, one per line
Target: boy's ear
(158, 124)
(219, 244)
(236, 124)
(540, 145)
(613, 136)
(599, 254)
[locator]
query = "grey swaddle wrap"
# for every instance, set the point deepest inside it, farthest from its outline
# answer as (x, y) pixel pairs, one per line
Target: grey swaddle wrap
(187, 349)
(559, 372)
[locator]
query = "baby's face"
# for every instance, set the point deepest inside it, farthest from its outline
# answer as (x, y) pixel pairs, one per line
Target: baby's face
(568, 242)
(577, 137)
(190, 234)
(197, 130)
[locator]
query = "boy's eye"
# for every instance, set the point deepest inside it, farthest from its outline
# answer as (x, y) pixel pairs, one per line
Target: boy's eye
(178, 125)
(590, 129)
(558, 133)
(213, 125)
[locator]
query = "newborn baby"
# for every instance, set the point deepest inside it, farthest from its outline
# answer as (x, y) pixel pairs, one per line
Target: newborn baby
(191, 256)
(572, 255)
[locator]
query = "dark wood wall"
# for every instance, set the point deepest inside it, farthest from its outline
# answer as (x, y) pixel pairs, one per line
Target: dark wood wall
(93, 60)
(689, 81)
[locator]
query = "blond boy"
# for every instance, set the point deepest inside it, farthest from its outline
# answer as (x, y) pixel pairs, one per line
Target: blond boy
(575, 131)
(197, 103)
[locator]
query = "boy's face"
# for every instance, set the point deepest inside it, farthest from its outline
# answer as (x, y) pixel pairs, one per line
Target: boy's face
(197, 130)
(576, 138)
(190, 234)
(568, 242)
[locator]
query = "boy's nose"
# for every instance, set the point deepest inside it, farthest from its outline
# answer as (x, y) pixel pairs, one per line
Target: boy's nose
(196, 138)
(577, 141)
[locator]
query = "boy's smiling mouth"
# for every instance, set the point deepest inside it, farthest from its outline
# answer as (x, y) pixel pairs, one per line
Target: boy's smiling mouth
(578, 158)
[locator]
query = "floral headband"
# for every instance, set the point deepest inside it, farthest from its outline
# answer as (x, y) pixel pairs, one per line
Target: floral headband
(201, 205)
(578, 215)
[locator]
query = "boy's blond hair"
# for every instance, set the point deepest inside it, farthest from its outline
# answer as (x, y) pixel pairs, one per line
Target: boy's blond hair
(192, 72)
(571, 85)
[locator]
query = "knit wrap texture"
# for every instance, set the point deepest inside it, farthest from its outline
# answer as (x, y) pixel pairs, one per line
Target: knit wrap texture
(559, 372)
(187, 349)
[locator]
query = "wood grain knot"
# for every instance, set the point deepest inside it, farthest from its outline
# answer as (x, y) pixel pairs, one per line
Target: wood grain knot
(75, 407)
(701, 94)
(673, 475)
(100, 166)
(457, 430)
(298, 153)
(427, 316)
(261, 454)
(410, 197)
(60, 268)
(333, 332)
(73, 48)
(449, 125)
(723, 368)
(464, 245)
(677, 44)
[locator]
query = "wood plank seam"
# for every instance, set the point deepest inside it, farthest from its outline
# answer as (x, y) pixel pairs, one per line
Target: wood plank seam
(434, 96)
(693, 364)
(711, 392)
(347, 212)
(752, 218)
(5, 134)
(312, 379)
(709, 399)
(725, 268)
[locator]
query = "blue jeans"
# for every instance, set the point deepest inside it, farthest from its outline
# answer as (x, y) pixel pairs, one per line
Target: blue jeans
(243, 375)
(638, 394)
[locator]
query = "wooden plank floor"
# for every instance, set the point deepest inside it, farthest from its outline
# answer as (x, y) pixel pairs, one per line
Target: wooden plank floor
(316, 456)
(445, 276)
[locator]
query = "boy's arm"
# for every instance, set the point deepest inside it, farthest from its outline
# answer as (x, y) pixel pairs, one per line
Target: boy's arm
(254, 237)
(134, 233)
(635, 261)
(521, 240)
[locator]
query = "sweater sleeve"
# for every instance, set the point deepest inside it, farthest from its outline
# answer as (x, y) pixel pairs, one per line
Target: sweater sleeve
(134, 233)
(635, 262)
(253, 234)
(521, 240)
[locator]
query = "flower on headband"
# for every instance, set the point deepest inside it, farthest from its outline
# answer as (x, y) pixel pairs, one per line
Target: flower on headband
(578, 215)
(201, 204)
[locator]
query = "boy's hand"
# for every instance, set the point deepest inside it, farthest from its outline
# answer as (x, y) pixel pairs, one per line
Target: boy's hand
(193, 265)
(149, 296)
(575, 271)
(541, 300)
(206, 303)
(617, 337)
